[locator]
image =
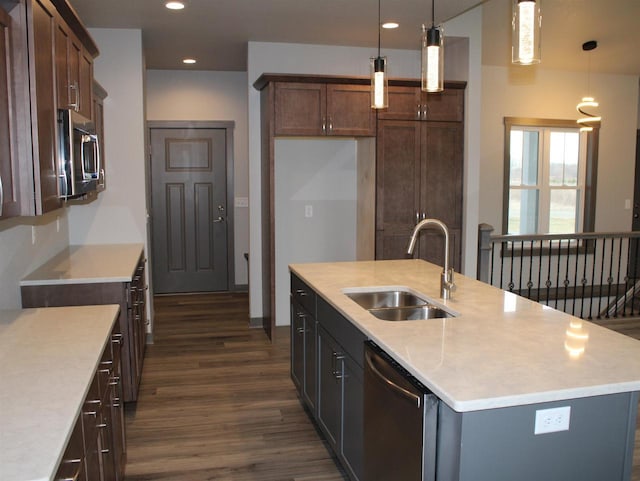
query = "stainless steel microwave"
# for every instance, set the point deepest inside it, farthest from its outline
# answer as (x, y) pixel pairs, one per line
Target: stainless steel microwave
(79, 163)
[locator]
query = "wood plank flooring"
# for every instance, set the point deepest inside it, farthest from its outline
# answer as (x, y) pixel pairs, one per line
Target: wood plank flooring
(216, 401)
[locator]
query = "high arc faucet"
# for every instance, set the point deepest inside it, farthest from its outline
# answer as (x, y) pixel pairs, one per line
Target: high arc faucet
(446, 278)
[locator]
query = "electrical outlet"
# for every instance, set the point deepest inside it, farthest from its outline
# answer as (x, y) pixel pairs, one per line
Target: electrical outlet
(308, 211)
(552, 420)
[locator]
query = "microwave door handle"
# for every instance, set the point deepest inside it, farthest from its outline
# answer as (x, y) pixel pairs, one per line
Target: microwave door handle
(96, 151)
(83, 141)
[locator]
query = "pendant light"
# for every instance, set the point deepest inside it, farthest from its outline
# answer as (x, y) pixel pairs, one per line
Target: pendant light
(586, 122)
(379, 77)
(526, 26)
(432, 71)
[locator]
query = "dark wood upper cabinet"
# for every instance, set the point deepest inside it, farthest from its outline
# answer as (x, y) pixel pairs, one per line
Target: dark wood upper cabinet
(48, 55)
(9, 201)
(410, 103)
(317, 109)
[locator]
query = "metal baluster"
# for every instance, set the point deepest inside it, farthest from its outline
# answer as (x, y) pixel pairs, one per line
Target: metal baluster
(521, 263)
(615, 312)
(511, 267)
(548, 283)
(575, 278)
(566, 277)
(503, 246)
(635, 274)
(530, 283)
(604, 243)
(493, 251)
(557, 270)
(539, 270)
(583, 281)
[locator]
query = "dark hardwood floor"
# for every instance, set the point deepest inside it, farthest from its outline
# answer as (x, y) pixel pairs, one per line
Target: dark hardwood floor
(216, 401)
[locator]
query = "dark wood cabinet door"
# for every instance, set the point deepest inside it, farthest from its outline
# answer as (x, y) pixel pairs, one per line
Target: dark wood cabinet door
(85, 81)
(329, 388)
(404, 104)
(44, 107)
(10, 206)
(310, 362)
(62, 67)
(349, 111)
(352, 416)
(442, 160)
(300, 109)
(447, 105)
(297, 346)
(397, 186)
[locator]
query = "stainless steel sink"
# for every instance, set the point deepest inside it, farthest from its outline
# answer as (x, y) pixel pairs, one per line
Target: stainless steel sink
(378, 299)
(397, 305)
(410, 313)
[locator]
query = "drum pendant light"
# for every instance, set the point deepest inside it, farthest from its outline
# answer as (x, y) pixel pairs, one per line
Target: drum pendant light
(432, 58)
(379, 77)
(526, 26)
(588, 103)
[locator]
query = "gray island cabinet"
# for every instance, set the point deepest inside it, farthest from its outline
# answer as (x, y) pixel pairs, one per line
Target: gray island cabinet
(497, 367)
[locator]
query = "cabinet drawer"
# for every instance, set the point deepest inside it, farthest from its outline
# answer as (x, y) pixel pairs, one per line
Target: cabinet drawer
(342, 330)
(303, 294)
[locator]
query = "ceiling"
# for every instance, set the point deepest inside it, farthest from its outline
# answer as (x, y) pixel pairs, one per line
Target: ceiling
(216, 32)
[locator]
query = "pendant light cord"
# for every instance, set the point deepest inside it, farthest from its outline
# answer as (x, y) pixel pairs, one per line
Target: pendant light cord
(379, 28)
(433, 13)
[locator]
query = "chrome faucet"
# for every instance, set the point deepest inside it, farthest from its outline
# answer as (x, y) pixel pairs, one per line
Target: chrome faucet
(446, 278)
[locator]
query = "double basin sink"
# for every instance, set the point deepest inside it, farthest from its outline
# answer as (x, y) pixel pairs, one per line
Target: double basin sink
(397, 304)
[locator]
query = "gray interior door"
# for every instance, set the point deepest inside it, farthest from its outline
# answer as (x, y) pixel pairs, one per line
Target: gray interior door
(189, 211)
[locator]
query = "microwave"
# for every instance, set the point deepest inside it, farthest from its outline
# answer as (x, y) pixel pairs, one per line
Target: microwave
(79, 164)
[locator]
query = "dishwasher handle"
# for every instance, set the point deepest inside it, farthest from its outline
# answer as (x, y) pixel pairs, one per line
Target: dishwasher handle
(399, 389)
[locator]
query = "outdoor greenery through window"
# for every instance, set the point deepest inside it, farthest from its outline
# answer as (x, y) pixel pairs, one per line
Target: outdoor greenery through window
(546, 167)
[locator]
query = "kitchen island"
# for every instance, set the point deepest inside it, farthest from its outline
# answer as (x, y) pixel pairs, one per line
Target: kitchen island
(494, 364)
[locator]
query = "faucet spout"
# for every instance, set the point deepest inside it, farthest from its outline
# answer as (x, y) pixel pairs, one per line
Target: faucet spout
(446, 279)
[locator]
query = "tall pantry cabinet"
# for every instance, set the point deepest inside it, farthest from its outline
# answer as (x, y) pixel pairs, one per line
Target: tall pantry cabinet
(419, 171)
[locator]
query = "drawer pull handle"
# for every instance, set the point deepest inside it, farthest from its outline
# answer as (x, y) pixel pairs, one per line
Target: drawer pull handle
(301, 292)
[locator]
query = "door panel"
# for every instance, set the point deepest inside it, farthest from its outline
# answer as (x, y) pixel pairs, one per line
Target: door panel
(189, 179)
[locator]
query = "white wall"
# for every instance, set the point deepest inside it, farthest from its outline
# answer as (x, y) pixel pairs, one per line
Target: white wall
(320, 175)
(332, 60)
(119, 214)
(205, 95)
(26, 243)
(552, 94)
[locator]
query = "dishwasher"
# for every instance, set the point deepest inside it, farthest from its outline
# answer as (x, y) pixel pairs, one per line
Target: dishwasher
(400, 422)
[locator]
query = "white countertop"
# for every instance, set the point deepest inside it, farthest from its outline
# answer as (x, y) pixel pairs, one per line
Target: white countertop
(48, 357)
(88, 264)
(501, 350)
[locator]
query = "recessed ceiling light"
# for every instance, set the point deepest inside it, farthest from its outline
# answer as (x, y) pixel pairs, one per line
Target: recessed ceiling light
(390, 25)
(174, 5)
(189, 60)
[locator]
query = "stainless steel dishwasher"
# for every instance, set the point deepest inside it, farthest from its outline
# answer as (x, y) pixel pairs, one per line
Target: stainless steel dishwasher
(400, 422)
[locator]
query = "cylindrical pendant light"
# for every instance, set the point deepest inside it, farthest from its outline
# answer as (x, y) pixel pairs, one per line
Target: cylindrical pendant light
(379, 77)
(432, 55)
(379, 83)
(432, 71)
(526, 26)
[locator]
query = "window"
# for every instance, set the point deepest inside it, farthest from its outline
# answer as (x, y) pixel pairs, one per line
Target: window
(549, 177)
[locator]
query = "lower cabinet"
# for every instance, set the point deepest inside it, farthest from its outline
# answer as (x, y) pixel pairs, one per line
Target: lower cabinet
(131, 296)
(327, 369)
(96, 449)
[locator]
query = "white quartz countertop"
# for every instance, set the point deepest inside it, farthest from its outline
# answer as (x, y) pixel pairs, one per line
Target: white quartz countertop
(501, 350)
(48, 357)
(88, 264)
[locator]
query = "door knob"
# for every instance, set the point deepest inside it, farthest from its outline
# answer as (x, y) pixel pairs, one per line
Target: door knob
(219, 219)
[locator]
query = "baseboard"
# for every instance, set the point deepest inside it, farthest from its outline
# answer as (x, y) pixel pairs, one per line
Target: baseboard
(255, 322)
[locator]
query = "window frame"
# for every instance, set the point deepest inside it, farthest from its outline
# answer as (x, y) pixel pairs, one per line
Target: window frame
(590, 167)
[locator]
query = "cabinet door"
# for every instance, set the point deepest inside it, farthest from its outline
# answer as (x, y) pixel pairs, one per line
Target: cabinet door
(85, 82)
(90, 420)
(43, 106)
(72, 465)
(297, 345)
(300, 109)
(63, 82)
(349, 110)
(447, 105)
(397, 186)
(117, 406)
(352, 415)
(404, 104)
(9, 205)
(441, 191)
(310, 362)
(329, 388)
(98, 119)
